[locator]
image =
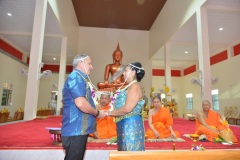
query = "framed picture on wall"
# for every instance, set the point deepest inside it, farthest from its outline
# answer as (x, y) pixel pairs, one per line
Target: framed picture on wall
(169, 98)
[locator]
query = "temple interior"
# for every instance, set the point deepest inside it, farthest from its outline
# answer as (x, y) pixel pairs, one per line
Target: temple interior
(190, 51)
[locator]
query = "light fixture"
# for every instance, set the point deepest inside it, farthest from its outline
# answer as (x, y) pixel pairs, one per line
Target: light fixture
(220, 29)
(9, 14)
(54, 59)
(186, 52)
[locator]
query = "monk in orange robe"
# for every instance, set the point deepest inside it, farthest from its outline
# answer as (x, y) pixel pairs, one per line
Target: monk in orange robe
(209, 122)
(106, 128)
(160, 122)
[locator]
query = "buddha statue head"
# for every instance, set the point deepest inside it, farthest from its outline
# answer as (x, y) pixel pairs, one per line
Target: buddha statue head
(117, 55)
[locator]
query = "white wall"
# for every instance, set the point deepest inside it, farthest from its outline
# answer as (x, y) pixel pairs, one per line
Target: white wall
(228, 86)
(188, 87)
(177, 84)
(45, 89)
(229, 82)
(9, 73)
(100, 43)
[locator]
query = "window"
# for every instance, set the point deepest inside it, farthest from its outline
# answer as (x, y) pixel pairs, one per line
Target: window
(215, 100)
(189, 101)
(7, 94)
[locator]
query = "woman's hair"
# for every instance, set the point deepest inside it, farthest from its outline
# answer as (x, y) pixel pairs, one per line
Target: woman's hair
(136, 66)
(77, 58)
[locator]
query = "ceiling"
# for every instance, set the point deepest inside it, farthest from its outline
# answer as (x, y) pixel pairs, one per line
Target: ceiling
(122, 14)
(17, 29)
(140, 14)
(221, 14)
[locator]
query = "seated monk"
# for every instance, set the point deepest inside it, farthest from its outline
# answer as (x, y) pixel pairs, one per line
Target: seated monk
(116, 70)
(160, 122)
(106, 128)
(208, 122)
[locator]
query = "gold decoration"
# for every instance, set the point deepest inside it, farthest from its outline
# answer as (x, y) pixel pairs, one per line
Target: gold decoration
(166, 89)
(4, 110)
(151, 93)
(20, 110)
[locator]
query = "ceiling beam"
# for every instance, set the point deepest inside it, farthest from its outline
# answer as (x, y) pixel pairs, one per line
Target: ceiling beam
(30, 34)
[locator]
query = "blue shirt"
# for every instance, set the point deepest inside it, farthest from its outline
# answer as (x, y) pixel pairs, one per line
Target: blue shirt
(74, 121)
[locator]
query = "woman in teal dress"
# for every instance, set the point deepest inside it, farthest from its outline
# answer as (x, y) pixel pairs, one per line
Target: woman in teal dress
(127, 111)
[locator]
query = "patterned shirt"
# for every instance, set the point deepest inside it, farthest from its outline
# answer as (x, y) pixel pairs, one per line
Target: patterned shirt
(74, 121)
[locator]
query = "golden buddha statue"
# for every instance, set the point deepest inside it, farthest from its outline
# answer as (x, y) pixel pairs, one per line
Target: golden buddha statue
(116, 70)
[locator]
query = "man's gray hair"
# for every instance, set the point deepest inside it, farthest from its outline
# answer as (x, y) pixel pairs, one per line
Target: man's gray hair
(77, 58)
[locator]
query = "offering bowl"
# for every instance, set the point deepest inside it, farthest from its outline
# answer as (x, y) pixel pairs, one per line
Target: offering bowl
(194, 137)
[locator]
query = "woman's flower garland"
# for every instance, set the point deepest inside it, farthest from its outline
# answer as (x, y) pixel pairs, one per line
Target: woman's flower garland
(113, 98)
(93, 93)
(95, 96)
(113, 95)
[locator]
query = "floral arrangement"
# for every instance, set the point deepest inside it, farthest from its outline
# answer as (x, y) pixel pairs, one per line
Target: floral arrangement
(226, 134)
(113, 98)
(198, 148)
(94, 96)
(219, 139)
(112, 141)
(224, 121)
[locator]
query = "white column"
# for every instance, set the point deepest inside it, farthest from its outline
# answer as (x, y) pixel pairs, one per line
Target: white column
(167, 65)
(204, 53)
(62, 73)
(24, 58)
(31, 99)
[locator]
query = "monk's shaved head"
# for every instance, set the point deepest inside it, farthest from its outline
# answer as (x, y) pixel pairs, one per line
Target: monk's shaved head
(156, 97)
(206, 101)
(206, 105)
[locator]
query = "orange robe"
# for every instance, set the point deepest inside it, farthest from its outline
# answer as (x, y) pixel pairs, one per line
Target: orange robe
(213, 120)
(161, 122)
(106, 128)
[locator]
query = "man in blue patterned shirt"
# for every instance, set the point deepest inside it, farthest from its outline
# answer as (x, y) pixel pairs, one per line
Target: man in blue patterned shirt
(79, 111)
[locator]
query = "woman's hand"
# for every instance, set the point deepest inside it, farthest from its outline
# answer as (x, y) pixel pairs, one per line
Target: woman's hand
(107, 112)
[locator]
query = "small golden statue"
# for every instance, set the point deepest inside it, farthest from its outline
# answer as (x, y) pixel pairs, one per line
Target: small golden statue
(152, 92)
(151, 96)
(116, 70)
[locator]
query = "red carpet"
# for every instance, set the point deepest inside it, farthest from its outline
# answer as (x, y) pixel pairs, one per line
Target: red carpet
(33, 134)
